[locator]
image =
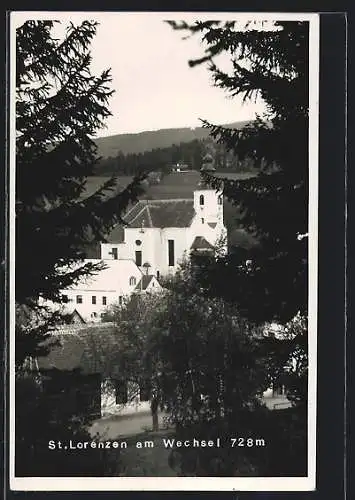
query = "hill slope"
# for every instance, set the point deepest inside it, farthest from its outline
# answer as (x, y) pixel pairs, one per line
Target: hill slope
(146, 141)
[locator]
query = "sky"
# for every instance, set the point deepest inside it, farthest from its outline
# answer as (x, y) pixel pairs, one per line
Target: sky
(154, 86)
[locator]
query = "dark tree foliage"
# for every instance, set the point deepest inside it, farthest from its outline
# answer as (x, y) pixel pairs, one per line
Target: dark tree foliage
(215, 365)
(189, 153)
(60, 107)
(57, 407)
(271, 64)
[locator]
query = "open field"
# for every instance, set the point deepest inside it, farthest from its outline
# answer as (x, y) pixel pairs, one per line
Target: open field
(174, 185)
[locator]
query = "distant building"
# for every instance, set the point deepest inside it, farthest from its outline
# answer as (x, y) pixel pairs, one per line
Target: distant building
(181, 167)
(93, 295)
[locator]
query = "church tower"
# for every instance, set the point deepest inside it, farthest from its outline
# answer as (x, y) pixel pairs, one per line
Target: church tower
(208, 205)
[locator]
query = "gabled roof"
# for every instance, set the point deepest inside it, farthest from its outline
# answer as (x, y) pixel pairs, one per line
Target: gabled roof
(87, 349)
(144, 282)
(200, 243)
(75, 318)
(161, 213)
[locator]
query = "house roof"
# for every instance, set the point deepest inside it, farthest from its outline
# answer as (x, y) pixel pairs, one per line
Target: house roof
(110, 277)
(144, 282)
(200, 243)
(87, 349)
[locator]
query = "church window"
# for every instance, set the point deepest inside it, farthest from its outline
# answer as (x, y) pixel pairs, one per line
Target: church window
(104, 301)
(171, 253)
(202, 200)
(138, 258)
(202, 220)
(79, 299)
(132, 281)
(120, 300)
(93, 299)
(138, 243)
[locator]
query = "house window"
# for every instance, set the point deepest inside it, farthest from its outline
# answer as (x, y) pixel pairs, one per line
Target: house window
(93, 299)
(79, 299)
(132, 281)
(104, 301)
(121, 392)
(171, 256)
(220, 199)
(158, 274)
(114, 253)
(202, 200)
(138, 258)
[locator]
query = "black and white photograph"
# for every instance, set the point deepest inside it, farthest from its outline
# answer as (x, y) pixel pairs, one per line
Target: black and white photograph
(163, 250)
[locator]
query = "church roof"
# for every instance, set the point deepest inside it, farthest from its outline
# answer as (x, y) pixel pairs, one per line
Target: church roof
(161, 213)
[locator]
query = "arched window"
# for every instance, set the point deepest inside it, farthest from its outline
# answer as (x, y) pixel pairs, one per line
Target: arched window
(132, 281)
(220, 199)
(202, 200)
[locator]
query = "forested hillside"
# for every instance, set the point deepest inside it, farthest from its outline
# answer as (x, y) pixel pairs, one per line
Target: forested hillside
(189, 155)
(151, 139)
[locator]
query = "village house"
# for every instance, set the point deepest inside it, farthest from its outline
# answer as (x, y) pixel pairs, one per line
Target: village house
(81, 369)
(93, 295)
(84, 354)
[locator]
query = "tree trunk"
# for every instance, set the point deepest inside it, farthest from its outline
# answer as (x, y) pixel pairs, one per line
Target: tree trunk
(154, 410)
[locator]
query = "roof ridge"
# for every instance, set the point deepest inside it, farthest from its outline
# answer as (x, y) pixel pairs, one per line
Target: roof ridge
(149, 217)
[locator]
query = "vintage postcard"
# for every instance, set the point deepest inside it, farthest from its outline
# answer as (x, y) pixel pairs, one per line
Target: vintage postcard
(163, 251)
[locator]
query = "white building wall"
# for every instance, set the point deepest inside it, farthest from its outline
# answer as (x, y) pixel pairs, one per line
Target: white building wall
(110, 407)
(118, 280)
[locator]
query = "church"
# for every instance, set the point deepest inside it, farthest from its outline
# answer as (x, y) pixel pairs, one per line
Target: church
(161, 233)
(156, 237)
